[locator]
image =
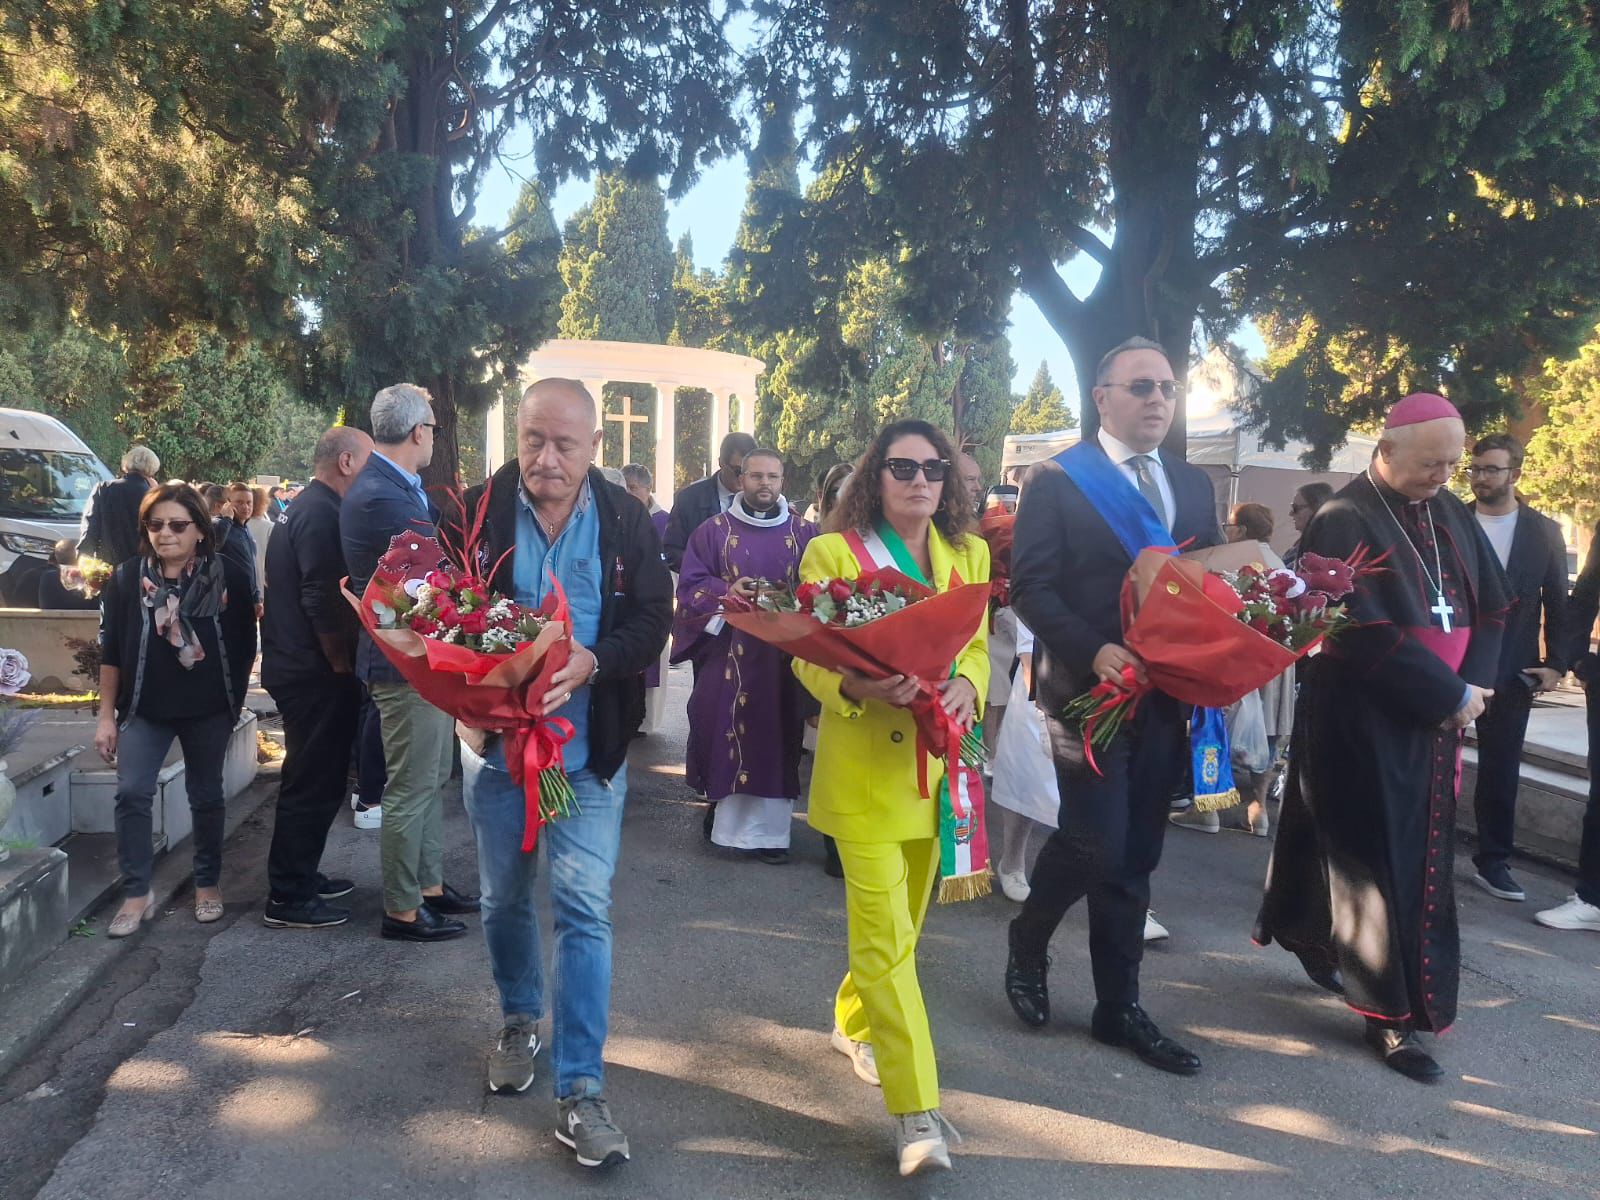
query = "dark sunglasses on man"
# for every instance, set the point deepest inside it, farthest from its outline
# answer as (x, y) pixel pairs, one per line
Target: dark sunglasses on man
(176, 524)
(1171, 389)
(905, 469)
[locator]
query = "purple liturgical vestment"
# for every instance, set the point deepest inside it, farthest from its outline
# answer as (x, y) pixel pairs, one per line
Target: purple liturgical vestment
(747, 712)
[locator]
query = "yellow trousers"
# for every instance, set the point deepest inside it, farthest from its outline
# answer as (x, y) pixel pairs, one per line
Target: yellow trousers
(887, 888)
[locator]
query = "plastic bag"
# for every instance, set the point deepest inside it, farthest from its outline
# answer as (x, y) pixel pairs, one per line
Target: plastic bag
(1023, 766)
(1247, 735)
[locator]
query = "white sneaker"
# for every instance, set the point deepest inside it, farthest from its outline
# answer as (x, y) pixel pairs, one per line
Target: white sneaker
(1574, 914)
(920, 1141)
(1200, 822)
(365, 818)
(1154, 930)
(1014, 885)
(860, 1056)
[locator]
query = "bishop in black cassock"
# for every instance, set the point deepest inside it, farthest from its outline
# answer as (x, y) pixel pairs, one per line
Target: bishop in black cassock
(1360, 883)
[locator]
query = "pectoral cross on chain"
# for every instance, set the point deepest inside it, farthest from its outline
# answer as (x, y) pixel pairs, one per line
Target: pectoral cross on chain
(1441, 609)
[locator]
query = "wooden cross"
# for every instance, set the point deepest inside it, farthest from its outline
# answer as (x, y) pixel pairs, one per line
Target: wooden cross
(628, 419)
(1441, 609)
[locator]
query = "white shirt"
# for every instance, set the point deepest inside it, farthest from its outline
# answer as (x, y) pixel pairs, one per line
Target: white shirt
(1500, 531)
(724, 496)
(1121, 454)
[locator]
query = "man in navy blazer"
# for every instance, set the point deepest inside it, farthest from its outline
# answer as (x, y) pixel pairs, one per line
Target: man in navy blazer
(418, 740)
(1531, 549)
(1067, 568)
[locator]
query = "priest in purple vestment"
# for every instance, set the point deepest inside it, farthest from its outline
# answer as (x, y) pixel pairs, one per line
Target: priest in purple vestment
(1361, 883)
(747, 711)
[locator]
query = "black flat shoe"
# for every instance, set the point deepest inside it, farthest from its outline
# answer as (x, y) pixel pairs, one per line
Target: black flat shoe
(332, 889)
(314, 914)
(773, 858)
(1402, 1052)
(709, 820)
(428, 927)
(1129, 1025)
(452, 903)
(1026, 984)
(831, 866)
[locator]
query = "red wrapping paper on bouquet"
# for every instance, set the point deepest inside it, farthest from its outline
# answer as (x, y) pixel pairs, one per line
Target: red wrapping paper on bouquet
(1183, 623)
(923, 639)
(498, 692)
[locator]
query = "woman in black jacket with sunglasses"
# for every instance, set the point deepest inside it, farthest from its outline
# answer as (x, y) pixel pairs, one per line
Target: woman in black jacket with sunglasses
(177, 637)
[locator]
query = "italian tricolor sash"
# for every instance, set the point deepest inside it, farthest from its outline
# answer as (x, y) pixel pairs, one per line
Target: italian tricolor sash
(963, 838)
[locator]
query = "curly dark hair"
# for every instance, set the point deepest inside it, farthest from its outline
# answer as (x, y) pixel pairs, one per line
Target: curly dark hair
(860, 503)
(176, 493)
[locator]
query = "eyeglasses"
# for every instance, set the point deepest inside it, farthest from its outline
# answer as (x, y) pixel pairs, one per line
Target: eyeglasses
(1491, 472)
(177, 525)
(1297, 507)
(433, 425)
(1171, 389)
(905, 469)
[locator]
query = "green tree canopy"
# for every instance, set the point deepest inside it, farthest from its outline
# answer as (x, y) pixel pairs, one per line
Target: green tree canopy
(1562, 470)
(1044, 409)
(1412, 175)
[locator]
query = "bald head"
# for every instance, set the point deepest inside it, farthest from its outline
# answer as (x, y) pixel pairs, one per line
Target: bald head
(557, 439)
(340, 454)
(562, 393)
(1417, 460)
(971, 477)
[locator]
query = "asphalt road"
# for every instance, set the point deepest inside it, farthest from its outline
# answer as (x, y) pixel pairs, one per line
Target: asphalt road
(237, 1061)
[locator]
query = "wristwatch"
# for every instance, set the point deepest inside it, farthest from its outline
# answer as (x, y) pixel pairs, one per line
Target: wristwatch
(594, 674)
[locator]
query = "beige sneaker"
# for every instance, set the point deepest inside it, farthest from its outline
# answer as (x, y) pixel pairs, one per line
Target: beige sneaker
(920, 1141)
(860, 1056)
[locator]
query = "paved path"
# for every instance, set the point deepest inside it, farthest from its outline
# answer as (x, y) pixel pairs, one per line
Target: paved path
(334, 1064)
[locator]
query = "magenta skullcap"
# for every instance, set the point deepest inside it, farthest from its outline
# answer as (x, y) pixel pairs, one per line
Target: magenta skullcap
(1419, 407)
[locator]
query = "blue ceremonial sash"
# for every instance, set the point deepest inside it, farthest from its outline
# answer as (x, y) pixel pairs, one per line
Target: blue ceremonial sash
(1120, 505)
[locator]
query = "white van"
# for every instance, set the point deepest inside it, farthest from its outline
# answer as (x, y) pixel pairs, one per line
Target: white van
(47, 475)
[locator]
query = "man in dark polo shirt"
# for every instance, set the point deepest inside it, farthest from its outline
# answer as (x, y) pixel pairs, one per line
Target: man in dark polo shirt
(308, 645)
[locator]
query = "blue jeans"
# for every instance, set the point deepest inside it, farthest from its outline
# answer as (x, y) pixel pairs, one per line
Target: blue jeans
(582, 850)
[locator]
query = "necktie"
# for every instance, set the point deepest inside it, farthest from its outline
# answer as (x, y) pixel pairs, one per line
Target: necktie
(1149, 488)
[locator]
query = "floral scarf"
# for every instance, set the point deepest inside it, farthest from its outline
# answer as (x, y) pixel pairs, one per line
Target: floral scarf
(198, 593)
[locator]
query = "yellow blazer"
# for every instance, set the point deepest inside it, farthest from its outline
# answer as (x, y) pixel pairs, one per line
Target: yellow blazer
(864, 780)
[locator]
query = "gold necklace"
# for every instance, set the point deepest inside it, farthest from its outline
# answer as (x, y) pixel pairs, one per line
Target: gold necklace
(552, 529)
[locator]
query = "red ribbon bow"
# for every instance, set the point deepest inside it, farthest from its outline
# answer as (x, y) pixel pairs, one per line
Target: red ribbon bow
(529, 752)
(1117, 698)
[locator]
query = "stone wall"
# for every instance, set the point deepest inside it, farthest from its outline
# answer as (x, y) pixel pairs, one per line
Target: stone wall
(44, 638)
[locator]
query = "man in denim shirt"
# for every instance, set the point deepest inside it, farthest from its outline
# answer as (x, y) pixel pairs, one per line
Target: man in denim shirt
(561, 518)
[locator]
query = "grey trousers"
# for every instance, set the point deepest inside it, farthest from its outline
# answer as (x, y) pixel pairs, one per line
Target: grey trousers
(141, 749)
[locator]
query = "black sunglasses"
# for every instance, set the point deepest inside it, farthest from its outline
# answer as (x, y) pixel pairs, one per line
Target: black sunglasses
(176, 524)
(1171, 389)
(433, 425)
(905, 469)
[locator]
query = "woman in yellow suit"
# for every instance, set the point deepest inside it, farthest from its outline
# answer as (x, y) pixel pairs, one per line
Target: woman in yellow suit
(905, 506)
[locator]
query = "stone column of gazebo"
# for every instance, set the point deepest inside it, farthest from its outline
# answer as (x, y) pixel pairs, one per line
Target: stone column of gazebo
(666, 368)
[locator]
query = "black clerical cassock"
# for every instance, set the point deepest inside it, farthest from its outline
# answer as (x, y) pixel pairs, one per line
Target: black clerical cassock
(1361, 874)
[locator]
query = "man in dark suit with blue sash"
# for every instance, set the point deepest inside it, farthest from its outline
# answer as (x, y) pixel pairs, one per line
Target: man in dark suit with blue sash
(1084, 518)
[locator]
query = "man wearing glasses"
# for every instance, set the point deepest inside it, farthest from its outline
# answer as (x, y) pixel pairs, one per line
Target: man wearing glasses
(418, 739)
(1533, 554)
(1086, 517)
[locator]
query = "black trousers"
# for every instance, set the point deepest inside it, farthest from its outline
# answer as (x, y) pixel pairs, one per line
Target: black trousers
(1107, 842)
(371, 773)
(1501, 729)
(319, 727)
(1589, 848)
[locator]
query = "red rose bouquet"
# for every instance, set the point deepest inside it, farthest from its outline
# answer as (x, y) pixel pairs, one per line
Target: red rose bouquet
(1210, 630)
(479, 656)
(882, 623)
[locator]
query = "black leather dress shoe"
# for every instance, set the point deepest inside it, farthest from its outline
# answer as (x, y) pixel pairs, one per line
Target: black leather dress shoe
(452, 903)
(1026, 984)
(428, 927)
(1401, 1052)
(1129, 1025)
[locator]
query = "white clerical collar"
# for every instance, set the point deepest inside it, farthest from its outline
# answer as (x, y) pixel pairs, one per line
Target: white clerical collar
(739, 512)
(1120, 452)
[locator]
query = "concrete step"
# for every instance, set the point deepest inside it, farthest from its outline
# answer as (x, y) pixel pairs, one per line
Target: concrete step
(33, 909)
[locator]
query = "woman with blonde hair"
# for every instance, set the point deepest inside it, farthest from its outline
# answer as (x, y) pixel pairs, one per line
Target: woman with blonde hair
(905, 507)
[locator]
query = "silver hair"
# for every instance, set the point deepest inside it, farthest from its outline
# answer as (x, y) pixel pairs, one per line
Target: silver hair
(141, 459)
(635, 473)
(1102, 372)
(397, 410)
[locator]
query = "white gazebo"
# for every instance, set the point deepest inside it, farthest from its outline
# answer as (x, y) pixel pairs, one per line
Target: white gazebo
(665, 368)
